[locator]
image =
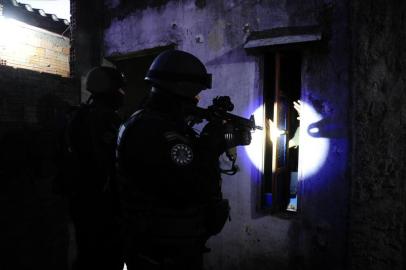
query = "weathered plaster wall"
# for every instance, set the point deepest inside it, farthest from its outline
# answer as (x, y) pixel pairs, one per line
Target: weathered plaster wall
(378, 205)
(215, 31)
(325, 87)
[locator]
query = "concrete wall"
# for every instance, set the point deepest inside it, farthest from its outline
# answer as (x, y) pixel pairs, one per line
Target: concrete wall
(378, 205)
(29, 47)
(215, 31)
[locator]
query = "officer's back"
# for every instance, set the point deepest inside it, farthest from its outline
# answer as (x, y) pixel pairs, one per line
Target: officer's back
(91, 138)
(170, 178)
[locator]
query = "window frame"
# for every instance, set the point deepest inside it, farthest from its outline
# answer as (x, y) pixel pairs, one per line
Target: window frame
(275, 182)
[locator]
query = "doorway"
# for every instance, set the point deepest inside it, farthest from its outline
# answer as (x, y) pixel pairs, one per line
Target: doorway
(135, 66)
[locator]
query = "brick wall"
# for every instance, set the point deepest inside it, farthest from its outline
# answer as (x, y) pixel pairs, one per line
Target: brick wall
(29, 47)
(34, 218)
(35, 93)
(22, 92)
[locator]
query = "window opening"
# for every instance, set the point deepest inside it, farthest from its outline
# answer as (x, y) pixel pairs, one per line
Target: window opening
(282, 83)
(135, 66)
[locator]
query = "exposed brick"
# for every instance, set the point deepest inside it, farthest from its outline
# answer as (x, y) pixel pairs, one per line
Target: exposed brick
(39, 51)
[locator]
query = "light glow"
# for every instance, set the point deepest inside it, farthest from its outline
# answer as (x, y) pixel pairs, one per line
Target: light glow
(275, 132)
(22, 47)
(10, 32)
(275, 142)
(313, 149)
(13, 48)
(314, 130)
(255, 151)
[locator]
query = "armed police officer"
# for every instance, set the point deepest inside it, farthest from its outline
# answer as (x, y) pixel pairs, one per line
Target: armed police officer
(170, 184)
(91, 136)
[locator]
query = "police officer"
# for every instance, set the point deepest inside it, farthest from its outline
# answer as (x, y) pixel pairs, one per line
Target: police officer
(170, 185)
(91, 139)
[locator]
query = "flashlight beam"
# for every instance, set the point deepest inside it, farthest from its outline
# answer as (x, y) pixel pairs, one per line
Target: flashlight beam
(275, 132)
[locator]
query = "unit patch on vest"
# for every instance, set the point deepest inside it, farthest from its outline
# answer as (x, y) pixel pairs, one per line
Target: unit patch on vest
(181, 154)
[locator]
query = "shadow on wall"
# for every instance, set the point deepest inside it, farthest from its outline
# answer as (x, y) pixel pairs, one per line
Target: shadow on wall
(34, 218)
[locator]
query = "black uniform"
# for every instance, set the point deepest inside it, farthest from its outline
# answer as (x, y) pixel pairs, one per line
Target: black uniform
(91, 138)
(169, 186)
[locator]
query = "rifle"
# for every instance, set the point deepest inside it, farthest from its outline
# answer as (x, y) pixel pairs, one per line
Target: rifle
(219, 111)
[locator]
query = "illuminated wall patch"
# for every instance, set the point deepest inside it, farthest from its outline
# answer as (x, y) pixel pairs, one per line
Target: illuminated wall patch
(29, 47)
(313, 148)
(255, 150)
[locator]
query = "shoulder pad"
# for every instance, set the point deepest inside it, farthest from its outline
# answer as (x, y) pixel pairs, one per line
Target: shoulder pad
(181, 154)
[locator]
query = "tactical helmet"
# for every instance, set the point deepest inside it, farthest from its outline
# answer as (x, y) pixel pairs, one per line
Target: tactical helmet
(179, 72)
(101, 80)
